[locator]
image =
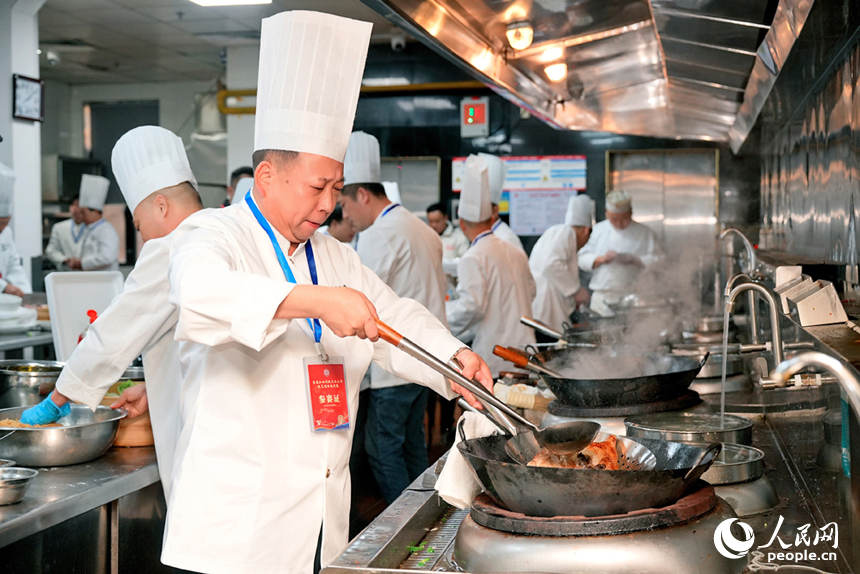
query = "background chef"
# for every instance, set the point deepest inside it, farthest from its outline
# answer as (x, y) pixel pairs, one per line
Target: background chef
(13, 277)
(66, 236)
(617, 251)
(262, 298)
(495, 287)
(555, 266)
(497, 171)
(100, 245)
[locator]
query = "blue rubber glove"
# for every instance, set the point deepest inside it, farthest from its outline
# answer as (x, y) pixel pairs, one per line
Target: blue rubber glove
(46, 412)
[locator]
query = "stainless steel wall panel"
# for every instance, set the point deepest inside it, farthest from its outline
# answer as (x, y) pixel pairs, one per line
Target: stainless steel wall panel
(749, 10)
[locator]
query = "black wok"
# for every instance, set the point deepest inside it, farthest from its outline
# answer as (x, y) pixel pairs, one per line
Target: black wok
(537, 491)
(664, 377)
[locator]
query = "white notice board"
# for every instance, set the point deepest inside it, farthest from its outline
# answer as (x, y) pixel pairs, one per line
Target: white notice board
(537, 189)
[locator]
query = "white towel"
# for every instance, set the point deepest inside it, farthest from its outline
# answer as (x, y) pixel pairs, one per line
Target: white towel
(457, 484)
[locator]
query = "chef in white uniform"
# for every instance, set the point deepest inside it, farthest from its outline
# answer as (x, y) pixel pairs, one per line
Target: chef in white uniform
(407, 255)
(555, 265)
(454, 243)
(495, 286)
(256, 480)
(13, 276)
(100, 245)
(618, 250)
(66, 238)
(152, 170)
(497, 171)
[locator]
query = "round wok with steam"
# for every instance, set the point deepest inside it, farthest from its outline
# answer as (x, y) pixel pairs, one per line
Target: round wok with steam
(594, 378)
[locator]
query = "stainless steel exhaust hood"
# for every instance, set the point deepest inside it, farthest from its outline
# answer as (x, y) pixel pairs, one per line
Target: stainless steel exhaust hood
(684, 69)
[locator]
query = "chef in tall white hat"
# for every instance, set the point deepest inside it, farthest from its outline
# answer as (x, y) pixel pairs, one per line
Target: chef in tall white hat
(271, 377)
(495, 287)
(496, 171)
(151, 170)
(555, 265)
(407, 255)
(13, 276)
(66, 238)
(100, 244)
(618, 250)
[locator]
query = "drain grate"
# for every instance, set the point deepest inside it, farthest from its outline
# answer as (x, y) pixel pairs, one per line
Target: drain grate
(427, 554)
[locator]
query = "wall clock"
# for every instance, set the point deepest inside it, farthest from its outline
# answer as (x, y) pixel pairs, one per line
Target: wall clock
(28, 99)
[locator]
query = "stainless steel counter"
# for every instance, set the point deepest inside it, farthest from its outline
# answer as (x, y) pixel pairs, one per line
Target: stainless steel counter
(34, 338)
(60, 493)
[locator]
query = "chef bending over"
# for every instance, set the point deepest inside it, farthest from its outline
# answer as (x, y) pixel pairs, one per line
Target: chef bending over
(152, 170)
(278, 326)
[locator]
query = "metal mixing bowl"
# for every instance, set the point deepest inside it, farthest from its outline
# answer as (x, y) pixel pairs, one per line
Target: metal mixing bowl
(14, 483)
(6, 463)
(84, 436)
(27, 383)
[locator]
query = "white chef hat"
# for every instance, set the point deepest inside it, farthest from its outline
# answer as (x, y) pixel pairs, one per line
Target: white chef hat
(475, 205)
(392, 191)
(243, 186)
(580, 211)
(7, 190)
(148, 159)
(311, 66)
(362, 164)
(94, 190)
(618, 202)
(497, 170)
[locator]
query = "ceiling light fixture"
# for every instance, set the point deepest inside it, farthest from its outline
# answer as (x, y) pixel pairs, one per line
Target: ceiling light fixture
(230, 2)
(556, 72)
(520, 35)
(552, 54)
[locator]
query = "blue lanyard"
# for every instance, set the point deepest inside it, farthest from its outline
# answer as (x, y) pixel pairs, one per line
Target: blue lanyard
(77, 236)
(389, 208)
(316, 327)
(496, 225)
(481, 236)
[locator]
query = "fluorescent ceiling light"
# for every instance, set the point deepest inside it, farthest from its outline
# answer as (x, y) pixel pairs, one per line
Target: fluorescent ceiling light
(230, 2)
(383, 82)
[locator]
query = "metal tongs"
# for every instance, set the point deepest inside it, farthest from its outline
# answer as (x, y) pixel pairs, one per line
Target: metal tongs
(565, 439)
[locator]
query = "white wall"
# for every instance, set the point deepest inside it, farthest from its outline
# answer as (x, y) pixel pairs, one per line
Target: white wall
(242, 65)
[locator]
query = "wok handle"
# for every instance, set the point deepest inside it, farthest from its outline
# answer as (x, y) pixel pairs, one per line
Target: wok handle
(714, 447)
(389, 335)
(545, 329)
(511, 355)
(704, 360)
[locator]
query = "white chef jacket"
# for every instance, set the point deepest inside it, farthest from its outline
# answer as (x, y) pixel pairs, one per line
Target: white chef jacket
(406, 254)
(555, 269)
(100, 247)
(11, 266)
(252, 484)
(614, 277)
(454, 245)
(324, 230)
(495, 289)
(141, 319)
(62, 244)
(504, 232)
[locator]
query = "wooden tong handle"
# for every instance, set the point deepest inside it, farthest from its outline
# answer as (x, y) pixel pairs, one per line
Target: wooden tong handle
(388, 334)
(510, 355)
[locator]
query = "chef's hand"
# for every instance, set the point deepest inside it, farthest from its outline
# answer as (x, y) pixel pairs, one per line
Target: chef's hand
(349, 313)
(134, 400)
(74, 263)
(46, 412)
(475, 368)
(581, 297)
(12, 290)
(629, 259)
(607, 257)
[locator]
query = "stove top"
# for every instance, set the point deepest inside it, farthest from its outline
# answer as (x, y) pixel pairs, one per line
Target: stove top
(685, 401)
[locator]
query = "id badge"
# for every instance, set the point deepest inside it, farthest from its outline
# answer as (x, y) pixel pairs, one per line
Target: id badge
(327, 395)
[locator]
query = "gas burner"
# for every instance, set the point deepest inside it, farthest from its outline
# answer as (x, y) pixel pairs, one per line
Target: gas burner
(687, 400)
(676, 538)
(714, 385)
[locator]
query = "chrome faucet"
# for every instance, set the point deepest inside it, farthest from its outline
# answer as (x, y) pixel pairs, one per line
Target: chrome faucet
(753, 303)
(747, 245)
(776, 334)
(844, 376)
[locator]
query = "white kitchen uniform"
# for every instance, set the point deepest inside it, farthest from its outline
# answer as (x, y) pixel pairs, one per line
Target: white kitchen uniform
(11, 265)
(612, 281)
(140, 320)
(454, 245)
(495, 289)
(555, 269)
(252, 483)
(504, 232)
(100, 247)
(65, 243)
(407, 255)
